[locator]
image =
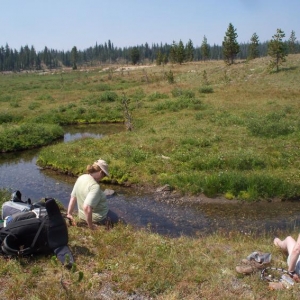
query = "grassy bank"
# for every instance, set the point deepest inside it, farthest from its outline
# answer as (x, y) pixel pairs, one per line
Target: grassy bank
(28, 136)
(213, 129)
(126, 264)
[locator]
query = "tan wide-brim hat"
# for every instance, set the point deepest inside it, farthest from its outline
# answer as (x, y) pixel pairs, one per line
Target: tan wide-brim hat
(103, 165)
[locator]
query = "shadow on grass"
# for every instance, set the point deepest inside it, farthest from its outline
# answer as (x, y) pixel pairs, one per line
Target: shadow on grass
(285, 69)
(82, 250)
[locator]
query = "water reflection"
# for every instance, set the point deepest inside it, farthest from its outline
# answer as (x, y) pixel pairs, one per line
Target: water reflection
(258, 218)
(76, 132)
(18, 171)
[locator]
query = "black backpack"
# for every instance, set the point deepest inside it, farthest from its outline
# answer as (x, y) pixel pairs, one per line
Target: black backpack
(27, 235)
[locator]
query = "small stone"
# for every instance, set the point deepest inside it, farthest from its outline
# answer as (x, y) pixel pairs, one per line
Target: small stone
(109, 193)
(165, 188)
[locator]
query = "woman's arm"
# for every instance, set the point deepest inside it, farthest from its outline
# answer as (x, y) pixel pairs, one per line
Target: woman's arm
(88, 211)
(71, 209)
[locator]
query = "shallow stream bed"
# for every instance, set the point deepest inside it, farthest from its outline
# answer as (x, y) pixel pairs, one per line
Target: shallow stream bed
(18, 171)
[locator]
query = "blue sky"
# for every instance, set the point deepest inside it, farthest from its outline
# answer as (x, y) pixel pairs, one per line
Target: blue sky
(62, 24)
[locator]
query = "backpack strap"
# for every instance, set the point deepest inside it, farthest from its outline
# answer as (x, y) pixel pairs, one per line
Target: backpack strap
(38, 233)
(7, 249)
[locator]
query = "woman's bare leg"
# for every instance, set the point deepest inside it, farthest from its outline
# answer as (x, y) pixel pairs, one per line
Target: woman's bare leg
(287, 244)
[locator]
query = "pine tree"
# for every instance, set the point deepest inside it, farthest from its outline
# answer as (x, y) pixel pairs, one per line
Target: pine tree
(47, 58)
(135, 55)
(159, 58)
(189, 51)
(74, 58)
(277, 50)
(2, 54)
(173, 53)
(147, 51)
(253, 47)
(26, 58)
(32, 57)
(230, 46)
(165, 59)
(38, 62)
(180, 53)
(7, 59)
(205, 49)
(110, 50)
(292, 43)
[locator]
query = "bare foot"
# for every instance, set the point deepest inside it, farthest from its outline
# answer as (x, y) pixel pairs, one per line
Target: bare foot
(276, 242)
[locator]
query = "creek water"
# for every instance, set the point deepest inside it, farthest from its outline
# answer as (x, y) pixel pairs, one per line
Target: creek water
(18, 171)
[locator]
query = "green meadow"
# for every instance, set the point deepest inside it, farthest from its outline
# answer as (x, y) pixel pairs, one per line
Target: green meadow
(201, 128)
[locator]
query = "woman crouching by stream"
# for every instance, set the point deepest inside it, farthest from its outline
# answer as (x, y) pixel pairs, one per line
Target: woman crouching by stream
(91, 200)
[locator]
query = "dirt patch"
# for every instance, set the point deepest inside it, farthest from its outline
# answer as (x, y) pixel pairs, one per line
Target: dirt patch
(176, 198)
(131, 68)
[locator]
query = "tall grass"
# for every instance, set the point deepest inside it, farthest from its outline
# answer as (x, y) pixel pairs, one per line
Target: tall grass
(251, 187)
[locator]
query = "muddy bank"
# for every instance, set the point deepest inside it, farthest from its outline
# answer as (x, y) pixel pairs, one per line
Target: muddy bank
(167, 195)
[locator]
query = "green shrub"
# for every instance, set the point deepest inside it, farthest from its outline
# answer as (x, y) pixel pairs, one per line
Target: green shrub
(230, 161)
(47, 97)
(5, 118)
(34, 105)
(65, 115)
(134, 155)
(15, 103)
(170, 77)
(138, 94)
(178, 105)
(91, 100)
(29, 135)
(206, 90)
(157, 95)
(101, 87)
(109, 96)
(6, 98)
(71, 105)
(80, 110)
(51, 117)
(271, 126)
(62, 108)
(195, 143)
(178, 92)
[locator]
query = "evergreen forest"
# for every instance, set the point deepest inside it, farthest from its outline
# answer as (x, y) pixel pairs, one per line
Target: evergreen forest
(27, 58)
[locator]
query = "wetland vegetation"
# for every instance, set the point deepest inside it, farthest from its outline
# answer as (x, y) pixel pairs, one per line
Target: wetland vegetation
(212, 129)
(215, 129)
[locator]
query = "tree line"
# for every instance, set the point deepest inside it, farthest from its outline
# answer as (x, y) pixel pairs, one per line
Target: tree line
(27, 58)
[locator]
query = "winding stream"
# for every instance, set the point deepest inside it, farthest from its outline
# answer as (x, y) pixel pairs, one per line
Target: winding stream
(18, 171)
